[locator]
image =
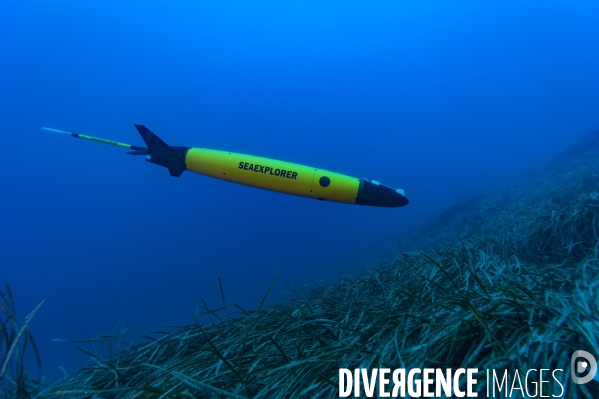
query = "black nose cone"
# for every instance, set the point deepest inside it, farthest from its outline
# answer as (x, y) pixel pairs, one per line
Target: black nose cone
(376, 194)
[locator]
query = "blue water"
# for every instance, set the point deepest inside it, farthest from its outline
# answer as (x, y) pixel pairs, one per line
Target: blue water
(442, 99)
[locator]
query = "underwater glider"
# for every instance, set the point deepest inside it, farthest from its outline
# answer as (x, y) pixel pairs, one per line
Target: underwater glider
(265, 173)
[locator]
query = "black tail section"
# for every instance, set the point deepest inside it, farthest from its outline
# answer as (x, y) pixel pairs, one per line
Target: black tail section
(160, 153)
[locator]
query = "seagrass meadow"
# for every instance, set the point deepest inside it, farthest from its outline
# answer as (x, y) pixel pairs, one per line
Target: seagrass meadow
(506, 280)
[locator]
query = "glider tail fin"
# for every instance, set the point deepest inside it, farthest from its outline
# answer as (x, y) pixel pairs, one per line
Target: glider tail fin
(160, 153)
(154, 143)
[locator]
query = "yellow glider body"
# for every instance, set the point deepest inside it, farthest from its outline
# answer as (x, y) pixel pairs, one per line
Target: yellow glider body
(274, 175)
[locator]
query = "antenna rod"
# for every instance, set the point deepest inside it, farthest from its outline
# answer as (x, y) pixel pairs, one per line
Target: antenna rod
(96, 139)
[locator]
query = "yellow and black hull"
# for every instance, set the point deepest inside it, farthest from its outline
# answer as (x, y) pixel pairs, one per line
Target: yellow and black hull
(290, 178)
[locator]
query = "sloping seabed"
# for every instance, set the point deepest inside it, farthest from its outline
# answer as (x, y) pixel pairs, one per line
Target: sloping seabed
(509, 280)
